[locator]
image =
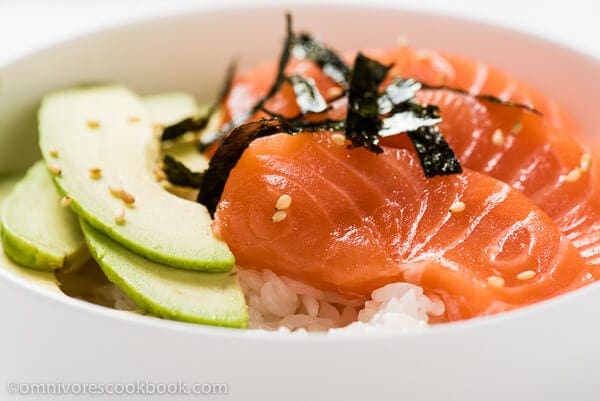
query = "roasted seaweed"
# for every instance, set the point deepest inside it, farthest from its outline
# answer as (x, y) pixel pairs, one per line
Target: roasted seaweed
(304, 46)
(178, 174)
(362, 120)
(227, 155)
(194, 124)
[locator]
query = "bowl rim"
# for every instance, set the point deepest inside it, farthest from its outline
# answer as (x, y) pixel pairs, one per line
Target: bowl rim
(61, 299)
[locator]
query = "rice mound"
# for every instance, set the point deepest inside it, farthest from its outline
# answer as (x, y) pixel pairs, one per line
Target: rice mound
(280, 303)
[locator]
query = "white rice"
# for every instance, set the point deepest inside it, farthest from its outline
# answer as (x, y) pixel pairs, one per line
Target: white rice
(277, 303)
(280, 303)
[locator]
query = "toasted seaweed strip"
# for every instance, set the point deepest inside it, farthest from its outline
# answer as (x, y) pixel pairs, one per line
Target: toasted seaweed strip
(308, 97)
(484, 97)
(186, 125)
(178, 174)
(306, 47)
(399, 91)
(362, 118)
(437, 158)
(227, 155)
(284, 59)
(406, 121)
(199, 123)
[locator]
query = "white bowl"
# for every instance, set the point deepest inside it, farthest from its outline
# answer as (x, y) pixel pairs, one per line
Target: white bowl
(545, 352)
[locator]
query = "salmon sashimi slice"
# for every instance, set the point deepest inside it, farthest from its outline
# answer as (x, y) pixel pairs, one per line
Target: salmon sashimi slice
(543, 156)
(358, 221)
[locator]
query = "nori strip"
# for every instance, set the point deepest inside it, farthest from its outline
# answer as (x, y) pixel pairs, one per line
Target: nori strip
(306, 47)
(399, 91)
(362, 118)
(227, 155)
(437, 158)
(199, 123)
(308, 97)
(186, 125)
(284, 58)
(485, 97)
(178, 174)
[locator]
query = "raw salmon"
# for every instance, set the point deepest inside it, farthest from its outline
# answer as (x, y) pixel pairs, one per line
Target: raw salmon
(358, 220)
(543, 156)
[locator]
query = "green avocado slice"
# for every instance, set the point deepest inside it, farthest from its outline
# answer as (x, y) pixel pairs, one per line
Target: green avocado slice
(36, 231)
(108, 127)
(189, 296)
(170, 107)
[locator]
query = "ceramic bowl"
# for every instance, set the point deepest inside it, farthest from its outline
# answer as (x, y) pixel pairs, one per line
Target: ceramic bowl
(545, 352)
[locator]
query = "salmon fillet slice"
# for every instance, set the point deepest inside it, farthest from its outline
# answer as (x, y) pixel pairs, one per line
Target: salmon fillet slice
(358, 221)
(545, 156)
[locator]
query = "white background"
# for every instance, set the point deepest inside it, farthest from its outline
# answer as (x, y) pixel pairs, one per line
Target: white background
(29, 24)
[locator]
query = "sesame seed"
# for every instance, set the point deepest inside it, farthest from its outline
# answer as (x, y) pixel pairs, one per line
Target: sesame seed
(498, 137)
(585, 163)
(283, 202)
(159, 174)
(66, 201)
(120, 216)
(573, 175)
(93, 124)
(95, 172)
(134, 120)
(516, 129)
(54, 170)
(334, 91)
(495, 281)
(526, 275)
(458, 207)
(278, 216)
(53, 152)
(115, 191)
(158, 128)
(127, 197)
(338, 139)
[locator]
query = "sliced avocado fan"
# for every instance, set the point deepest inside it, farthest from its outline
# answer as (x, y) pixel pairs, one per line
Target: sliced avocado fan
(36, 231)
(100, 138)
(189, 296)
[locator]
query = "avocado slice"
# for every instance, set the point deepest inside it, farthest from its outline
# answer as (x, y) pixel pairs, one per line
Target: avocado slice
(107, 127)
(170, 107)
(36, 231)
(7, 183)
(44, 279)
(185, 295)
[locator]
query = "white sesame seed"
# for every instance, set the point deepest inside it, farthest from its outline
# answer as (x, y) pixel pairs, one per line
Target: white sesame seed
(457, 207)
(495, 281)
(573, 175)
(66, 201)
(334, 91)
(115, 191)
(54, 169)
(498, 137)
(278, 216)
(93, 124)
(53, 152)
(134, 119)
(585, 163)
(95, 172)
(283, 202)
(127, 197)
(516, 129)
(338, 139)
(159, 173)
(120, 216)
(526, 275)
